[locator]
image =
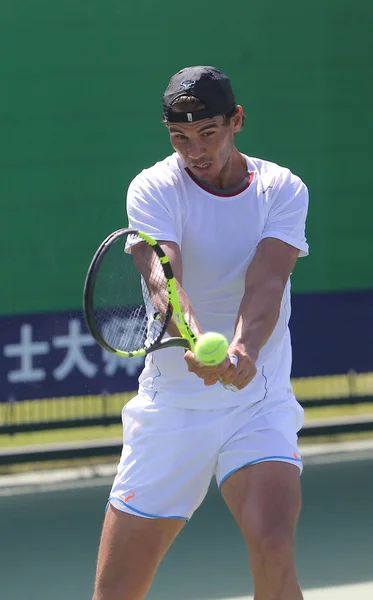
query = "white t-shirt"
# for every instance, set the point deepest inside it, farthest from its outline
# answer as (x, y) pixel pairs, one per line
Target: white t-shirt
(218, 236)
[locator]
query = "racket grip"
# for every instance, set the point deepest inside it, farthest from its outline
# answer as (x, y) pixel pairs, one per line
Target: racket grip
(229, 386)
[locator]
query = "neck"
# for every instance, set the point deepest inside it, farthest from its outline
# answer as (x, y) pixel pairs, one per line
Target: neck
(233, 172)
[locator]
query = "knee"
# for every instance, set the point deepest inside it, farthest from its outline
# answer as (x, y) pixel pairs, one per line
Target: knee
(274, 546)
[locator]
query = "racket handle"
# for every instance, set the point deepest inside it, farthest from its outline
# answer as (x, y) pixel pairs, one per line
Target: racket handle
(230, 386)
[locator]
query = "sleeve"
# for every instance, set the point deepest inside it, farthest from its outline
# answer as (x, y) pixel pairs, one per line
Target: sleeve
(149, 209)
(286, 219)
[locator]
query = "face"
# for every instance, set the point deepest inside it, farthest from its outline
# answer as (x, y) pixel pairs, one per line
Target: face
(206, 146)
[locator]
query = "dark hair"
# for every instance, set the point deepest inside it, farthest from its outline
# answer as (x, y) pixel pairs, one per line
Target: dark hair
(191, 103)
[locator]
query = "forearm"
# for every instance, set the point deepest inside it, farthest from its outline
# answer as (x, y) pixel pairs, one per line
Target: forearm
(257, 317)
(159, 300)
(156, 286)
(188, 312)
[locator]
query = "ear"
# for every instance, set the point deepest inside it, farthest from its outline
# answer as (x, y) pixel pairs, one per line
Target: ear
(237, 119)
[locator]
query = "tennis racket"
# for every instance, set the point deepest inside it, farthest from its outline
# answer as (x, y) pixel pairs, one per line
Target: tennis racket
(129, 300)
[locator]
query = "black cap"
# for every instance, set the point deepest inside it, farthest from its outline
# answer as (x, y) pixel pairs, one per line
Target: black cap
(208, 84)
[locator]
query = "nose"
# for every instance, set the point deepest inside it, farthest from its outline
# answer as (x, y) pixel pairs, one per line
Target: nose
(195, 150)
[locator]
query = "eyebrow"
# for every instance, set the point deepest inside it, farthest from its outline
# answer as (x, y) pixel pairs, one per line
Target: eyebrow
(210, 126)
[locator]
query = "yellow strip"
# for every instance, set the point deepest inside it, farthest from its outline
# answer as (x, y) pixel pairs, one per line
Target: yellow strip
(334, 386)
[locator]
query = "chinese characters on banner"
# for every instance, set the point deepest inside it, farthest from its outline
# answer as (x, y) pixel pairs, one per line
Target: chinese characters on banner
(52, 354)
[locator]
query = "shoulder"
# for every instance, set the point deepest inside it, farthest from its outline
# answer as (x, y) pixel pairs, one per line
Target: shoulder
(160, 178)
(271, 176)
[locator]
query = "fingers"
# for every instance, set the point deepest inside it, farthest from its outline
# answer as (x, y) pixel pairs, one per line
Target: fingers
(229, 374)
(210, 374)
(241, 375)
(243, 379)
(226, 372)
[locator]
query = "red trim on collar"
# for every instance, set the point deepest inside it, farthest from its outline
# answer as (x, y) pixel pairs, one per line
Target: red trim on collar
(207, 189)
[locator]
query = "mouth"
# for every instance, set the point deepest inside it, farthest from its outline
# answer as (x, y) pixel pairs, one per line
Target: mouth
(203, 167)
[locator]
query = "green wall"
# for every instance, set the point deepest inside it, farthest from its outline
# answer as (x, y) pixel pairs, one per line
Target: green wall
(80, 116)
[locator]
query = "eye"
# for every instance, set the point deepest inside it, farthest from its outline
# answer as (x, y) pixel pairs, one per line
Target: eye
(181, 137)
(208, 133)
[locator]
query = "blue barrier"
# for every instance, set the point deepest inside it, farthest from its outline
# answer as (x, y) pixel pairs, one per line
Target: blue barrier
(51, 355)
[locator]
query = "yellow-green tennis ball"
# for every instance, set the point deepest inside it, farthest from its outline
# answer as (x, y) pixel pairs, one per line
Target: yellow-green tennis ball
(211, 348)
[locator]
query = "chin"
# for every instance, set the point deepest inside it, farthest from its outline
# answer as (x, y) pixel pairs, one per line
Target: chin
(207, 174)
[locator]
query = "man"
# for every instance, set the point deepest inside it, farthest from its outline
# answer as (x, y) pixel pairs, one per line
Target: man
(233, 228)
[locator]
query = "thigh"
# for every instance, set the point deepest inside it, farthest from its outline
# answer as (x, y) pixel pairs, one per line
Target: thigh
(259, 469)
(265, 499)
(264, 433)
(131, 549)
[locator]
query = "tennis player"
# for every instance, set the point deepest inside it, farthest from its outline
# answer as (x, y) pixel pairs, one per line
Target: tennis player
(233, 227)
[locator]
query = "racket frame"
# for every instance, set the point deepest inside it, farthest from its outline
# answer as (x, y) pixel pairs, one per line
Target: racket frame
(188, 338)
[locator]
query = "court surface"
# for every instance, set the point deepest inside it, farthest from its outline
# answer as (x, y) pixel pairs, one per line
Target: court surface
(361, 591)
(49, 540)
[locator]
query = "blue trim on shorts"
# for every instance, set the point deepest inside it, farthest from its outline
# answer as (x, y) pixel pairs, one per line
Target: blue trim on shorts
(258, 460)
(140, 512)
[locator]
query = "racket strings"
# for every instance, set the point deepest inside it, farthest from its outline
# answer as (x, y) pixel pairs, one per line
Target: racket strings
(131, 312)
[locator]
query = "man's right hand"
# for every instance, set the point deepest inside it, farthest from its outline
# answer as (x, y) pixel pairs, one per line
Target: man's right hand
(210, 375)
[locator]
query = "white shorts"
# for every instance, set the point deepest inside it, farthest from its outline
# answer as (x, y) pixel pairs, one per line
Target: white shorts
(171, 454)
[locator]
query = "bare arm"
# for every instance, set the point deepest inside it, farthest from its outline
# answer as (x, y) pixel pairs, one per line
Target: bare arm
(148, 265)
(265, 282)
(258, 313)
(172, 250)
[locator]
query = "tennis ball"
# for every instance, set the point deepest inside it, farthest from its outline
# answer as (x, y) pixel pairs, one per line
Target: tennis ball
(211, 348)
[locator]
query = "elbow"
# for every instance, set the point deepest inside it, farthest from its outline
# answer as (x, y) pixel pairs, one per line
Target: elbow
(275, 292)
(272, 289)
